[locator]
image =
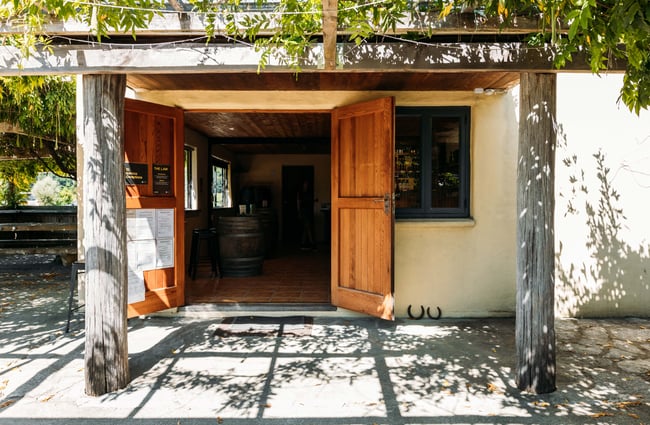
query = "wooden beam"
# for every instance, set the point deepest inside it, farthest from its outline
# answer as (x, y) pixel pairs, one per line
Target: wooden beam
(104, 220)
(223, 58)
(180, 23)
(330, 12)
(535, 326)
(270, 140)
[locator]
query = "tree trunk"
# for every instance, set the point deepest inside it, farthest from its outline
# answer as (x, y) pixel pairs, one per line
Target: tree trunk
(535, 328)
(104, 217)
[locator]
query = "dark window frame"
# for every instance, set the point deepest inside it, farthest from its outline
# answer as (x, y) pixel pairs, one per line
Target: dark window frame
(225, 166)
(188, 177)
(427, 114)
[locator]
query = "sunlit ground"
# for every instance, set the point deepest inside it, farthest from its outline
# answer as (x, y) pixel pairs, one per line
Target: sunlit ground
(357, 371)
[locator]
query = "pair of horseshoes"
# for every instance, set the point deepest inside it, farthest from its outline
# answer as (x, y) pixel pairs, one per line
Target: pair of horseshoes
(422, 313)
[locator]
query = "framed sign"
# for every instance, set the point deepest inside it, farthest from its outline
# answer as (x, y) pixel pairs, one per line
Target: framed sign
(161, 179)
(136, 173)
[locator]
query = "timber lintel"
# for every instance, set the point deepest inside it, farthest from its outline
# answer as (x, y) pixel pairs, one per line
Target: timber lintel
(397, 56)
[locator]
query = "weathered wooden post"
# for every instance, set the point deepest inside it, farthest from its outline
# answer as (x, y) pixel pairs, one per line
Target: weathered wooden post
(81, 250)
(104, 217)
(535, 323)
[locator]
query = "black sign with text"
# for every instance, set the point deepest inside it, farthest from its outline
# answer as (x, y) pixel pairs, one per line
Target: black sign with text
(161, 179)
(136, 173)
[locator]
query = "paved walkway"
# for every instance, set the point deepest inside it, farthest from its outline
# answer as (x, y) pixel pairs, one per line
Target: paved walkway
(344, 371)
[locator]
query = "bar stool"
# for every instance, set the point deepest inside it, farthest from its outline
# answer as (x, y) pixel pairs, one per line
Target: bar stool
(74, 271)
(198, 235)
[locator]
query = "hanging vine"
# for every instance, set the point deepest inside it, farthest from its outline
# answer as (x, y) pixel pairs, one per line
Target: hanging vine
(37, 121)
(285, 29)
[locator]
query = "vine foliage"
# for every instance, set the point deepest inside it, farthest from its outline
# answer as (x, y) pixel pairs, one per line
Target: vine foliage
(285, 29)
(37, 132)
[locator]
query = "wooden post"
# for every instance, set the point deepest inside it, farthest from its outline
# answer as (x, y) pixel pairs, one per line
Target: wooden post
(535, 326)
(330, 17)
(104, 222)
(81, 250)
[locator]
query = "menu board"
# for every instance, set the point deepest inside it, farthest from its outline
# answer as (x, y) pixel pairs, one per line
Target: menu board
(150, 245)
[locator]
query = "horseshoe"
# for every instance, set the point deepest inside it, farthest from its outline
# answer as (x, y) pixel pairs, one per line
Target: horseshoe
(434, 318)
(414, 317)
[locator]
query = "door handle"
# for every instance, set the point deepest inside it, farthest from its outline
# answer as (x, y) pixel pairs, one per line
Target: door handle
(386, 202)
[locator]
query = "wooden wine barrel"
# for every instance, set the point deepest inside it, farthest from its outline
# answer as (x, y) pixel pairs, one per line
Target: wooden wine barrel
(241, 245)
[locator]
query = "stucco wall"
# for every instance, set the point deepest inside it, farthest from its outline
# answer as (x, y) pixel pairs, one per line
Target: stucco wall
(602, 224)
(467, 267)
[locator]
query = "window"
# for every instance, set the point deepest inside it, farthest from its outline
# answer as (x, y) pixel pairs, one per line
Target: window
(220, 192)
(432, 162)
(189, 167)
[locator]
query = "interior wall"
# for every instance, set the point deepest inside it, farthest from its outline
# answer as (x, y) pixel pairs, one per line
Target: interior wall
(198, 218)
(266, 170)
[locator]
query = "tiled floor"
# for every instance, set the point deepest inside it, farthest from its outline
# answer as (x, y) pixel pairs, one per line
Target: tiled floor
(296, 277)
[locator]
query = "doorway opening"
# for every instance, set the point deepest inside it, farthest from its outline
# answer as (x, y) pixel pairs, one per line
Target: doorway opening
(297, 206)
(267, 177)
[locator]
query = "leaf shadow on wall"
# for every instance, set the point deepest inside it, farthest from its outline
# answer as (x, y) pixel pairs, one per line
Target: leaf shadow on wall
(607, 276)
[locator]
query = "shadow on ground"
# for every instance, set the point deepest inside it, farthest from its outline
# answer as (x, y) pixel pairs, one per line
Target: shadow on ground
(344, 371)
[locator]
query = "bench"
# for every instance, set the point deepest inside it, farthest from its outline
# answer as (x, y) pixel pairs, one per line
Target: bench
(39, 230)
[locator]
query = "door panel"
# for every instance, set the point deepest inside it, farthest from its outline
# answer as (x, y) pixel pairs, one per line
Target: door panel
(154, 138)
(362, 207)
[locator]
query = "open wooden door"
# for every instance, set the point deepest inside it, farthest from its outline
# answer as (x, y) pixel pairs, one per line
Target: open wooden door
(153, 156)
(362, 207)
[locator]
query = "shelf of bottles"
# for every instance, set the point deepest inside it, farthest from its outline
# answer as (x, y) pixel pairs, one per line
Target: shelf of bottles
(407, 175)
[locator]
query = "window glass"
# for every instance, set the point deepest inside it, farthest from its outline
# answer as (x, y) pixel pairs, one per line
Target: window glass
(432, 170)
(408, 140)
(188, 171)
(220, 196)
(445, 165)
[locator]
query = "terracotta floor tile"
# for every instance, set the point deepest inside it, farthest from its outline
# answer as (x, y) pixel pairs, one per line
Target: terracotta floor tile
(299, 277)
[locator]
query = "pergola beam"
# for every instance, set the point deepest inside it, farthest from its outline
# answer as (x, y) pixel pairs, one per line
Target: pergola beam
(199, 58)
(181, 22)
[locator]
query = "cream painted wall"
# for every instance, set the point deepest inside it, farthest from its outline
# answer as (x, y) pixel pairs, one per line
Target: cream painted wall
(466, 267)
(602, 241)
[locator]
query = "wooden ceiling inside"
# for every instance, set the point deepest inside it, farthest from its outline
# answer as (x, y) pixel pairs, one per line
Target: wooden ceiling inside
(299, 132)
(265, 132)
(422, 81)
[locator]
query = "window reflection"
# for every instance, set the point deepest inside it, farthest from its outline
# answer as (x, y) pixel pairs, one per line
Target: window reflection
(445, 166)
(408, 136)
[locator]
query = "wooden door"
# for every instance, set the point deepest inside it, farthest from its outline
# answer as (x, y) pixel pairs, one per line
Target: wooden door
(362, 207)
(153, 156)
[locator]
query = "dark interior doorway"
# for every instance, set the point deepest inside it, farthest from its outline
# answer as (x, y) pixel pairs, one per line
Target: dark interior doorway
(293, 177)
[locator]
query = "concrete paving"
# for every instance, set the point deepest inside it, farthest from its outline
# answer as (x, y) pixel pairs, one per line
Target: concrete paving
(344, 370)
